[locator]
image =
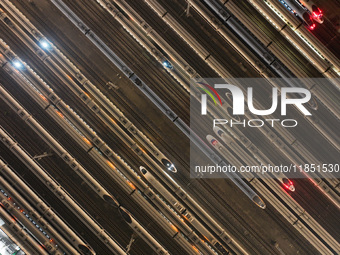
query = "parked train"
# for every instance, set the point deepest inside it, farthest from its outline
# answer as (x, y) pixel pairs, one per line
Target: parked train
(168, 49)
(164, 213)
(138, 196)
(88, 146)
(150, 94)
(19, 234)
(39, 234)
(44, 210)
(47, 47)
(231, 143)
(221, 241)
(56, 189)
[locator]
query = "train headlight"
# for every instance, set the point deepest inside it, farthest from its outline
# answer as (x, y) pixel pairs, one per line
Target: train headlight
(45, 44)
(167, 64)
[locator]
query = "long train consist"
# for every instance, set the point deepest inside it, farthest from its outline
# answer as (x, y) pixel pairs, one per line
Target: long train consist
(42, 100)
(98, 156)
(175, 224)
(50, 95)
(154, 98)
(104, 101)
(78, 91)
(179, 62)
(56, 114)
(143, 41)
(259, 155)
(326, 62)
(18, 233)
(221, 243)
(275, 139)
(40, 235)
(290, 210)
(40, 207)
(282, 147)
(42, 132)
(269, 54)
(319, 90)
(56, 189)
(324, 129)
(108, 166)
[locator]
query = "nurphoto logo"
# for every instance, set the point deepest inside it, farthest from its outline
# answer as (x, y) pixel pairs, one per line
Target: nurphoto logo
(238, 104)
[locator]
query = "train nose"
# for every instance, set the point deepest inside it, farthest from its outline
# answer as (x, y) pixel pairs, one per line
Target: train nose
(143, 170)
(259, 202)
(218, 131)
(111, 200)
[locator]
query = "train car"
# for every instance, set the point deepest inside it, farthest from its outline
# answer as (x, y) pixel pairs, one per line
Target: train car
(220, 240)
(61, 194)
(97, 140)
(19, 234)
(72, 162)
(168, 219)
(142, 86)
(146, 236)
(306, 220)
(22, 207)
(106, 150)
(43, 209)
(35, 230)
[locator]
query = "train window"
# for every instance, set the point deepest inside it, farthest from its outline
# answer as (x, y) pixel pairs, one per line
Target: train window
(143, 170)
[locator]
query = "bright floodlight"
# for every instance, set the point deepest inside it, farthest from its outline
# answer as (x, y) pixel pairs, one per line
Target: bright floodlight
(44, 44)
(167, 64)
(17, 64)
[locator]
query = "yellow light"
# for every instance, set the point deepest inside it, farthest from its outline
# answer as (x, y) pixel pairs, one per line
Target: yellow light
(111, 165)
(44, 98)
(195, 249)
(174, 228)
(60, 114)
(131, 185)
(87, 141)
